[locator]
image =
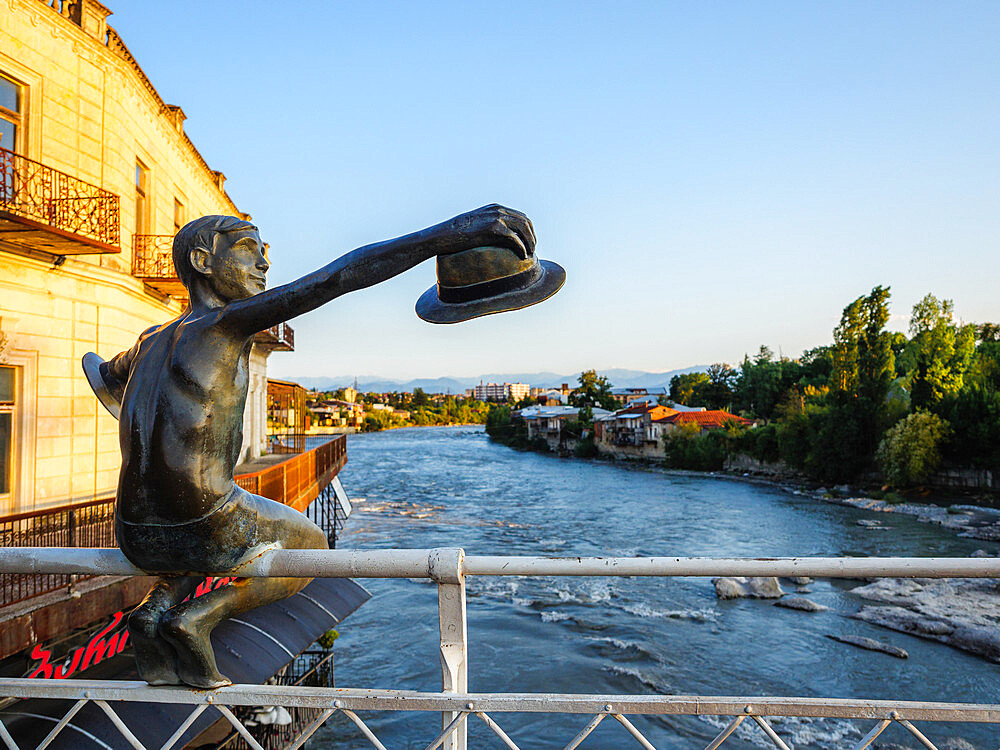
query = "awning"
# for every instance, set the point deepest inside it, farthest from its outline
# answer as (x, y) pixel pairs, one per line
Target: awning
(249, 649)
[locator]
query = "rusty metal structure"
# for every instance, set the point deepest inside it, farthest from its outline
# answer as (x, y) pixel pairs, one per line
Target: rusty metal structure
(448, 568)
(153, 263)
(42, 208)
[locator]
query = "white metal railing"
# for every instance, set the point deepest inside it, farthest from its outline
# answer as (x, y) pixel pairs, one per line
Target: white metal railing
(448, 568)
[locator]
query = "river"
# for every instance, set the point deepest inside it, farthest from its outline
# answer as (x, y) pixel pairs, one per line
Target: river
(430, 487)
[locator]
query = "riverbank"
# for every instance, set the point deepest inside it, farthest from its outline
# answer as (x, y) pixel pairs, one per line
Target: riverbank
(421, 426)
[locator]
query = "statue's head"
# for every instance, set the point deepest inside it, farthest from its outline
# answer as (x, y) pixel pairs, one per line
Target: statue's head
(223, 252)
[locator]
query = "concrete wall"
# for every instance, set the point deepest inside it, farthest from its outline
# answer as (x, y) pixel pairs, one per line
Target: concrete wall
(647, 451)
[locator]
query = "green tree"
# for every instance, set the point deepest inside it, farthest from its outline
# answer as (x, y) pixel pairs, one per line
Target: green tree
(911, 449)
(974, 414)
(593, 390)
(816, 365)
(863, 370)
(683, 387)
(988, 332)
(984, 370)
(526, 402)
(763, 382)
(420, 398)
(717, 393)
(863, 361)
(939, 352)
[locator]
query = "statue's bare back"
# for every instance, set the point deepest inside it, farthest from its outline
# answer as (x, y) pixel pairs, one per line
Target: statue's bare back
(187, 387)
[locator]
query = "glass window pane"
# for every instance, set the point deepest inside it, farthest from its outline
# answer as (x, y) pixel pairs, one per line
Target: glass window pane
(140, 213)
(6, 421)
(8, 134)
(7, 384)
(10, 95)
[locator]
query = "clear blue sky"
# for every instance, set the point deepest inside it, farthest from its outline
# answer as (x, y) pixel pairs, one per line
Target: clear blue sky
(713, 176)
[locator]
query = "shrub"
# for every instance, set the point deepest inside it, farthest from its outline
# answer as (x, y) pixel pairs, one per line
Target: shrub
(685, 448)
(585, 448)
(911, 449)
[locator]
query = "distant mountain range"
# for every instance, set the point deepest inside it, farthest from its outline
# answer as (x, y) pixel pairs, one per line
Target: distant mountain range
(618, 377)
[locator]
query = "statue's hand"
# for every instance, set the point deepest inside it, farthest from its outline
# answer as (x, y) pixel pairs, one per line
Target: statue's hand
(496, 226)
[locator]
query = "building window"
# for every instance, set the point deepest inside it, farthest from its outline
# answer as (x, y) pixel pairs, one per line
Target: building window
(178, 215)
(141, 198)
(11, 113)
(7, 421)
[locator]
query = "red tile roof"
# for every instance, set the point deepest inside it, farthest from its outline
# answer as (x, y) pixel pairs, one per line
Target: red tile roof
(644, 408)
(705, 419)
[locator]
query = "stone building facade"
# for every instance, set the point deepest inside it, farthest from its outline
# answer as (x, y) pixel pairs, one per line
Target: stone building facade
(96, 176)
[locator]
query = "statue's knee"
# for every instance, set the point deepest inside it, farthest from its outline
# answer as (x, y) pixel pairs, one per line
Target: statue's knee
(318, 538)
(143, 622)
(172, 625)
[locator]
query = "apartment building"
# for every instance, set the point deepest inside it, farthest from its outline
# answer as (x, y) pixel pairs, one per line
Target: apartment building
(501, 391)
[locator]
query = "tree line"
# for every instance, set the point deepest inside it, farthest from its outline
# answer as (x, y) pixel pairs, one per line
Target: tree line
(871, 401)
(424, 410)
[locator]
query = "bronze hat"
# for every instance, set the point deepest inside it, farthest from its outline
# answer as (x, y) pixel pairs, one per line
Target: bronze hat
(487, 280)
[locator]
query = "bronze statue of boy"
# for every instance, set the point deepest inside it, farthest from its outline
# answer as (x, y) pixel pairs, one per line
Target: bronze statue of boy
(182, 390)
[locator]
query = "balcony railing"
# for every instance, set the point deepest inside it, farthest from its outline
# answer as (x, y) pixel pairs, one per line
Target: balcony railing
(279, 338)
(44, 209)
(295, 482)
(153, 263)
(448, 568)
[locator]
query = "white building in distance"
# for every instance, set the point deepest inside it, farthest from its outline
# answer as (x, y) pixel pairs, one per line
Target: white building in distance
(502, 391)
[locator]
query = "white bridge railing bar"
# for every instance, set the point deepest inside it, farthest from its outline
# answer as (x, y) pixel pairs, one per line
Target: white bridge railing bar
(448, 568)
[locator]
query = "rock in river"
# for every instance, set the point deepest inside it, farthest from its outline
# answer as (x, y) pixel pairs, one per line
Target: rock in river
(871, 644)
(962, 612)
(752, 588)
(800, 603)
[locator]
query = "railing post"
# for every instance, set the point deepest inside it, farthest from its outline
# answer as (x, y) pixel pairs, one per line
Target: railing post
(445, 566)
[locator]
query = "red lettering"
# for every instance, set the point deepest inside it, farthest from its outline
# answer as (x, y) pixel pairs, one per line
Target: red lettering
(94, 652)
(43, 670)
(98, 647)
(59, 675)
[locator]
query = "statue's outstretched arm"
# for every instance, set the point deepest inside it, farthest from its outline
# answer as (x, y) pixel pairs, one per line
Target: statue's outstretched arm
(372, 264)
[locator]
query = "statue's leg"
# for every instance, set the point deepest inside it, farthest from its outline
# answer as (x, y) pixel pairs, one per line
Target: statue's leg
(188, 626)
(155, 658)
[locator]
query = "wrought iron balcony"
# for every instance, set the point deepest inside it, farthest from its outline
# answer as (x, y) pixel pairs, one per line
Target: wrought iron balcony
(153, 263)
(279, 338)
(44, 209)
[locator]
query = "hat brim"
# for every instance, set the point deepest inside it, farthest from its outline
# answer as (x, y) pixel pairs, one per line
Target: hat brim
(92, 369)
(433, 310)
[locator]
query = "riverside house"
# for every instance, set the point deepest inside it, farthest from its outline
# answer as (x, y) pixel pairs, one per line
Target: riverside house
(549, 422)
(638, 430)
(96, 176)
